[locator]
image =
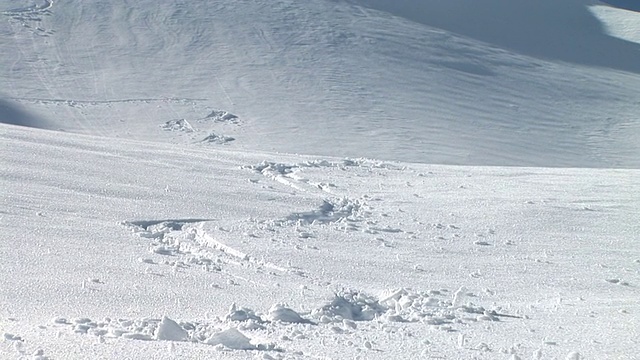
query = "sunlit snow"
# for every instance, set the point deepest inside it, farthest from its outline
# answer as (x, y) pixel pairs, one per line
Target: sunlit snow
(326, 179)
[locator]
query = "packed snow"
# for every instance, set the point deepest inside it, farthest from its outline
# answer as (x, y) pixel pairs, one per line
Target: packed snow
(350, 179)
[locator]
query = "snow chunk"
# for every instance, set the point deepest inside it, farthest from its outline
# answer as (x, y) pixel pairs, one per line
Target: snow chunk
(284, 314)
(170, 330)
(351, 306)
(217, 139)
(332, 211)
(136, 336)
(222, 116)
(247, 318)
(232, 339)
(178, 125)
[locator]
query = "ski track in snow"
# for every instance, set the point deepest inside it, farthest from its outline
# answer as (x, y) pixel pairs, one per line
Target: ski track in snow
(236, 254)
(183, 243)
(186, 244)
(194, 246)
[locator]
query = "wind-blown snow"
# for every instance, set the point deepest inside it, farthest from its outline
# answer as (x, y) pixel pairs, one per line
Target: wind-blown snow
(491, 82)
(151, 206)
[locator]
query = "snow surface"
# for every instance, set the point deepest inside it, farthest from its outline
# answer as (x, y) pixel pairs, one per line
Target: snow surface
(621, 23)
(103, 237)
(492, 82)
(152, 205)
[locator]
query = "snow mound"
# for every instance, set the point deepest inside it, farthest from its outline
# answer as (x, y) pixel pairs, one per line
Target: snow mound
(432, 308)
(178, 125)
(350, 305)
(338, 317)
(231, 338)
(272, 167)
(332, 210)
(170, 330)
(157, 229)
(149, 329)
(284, 314)
(214, 138)
(242, 314)
(223, 117)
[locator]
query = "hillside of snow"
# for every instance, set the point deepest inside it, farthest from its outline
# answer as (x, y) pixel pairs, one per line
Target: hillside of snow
(308, 257)
(322, 179)
(493, 82)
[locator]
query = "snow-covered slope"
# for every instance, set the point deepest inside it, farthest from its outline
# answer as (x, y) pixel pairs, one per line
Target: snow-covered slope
(491, 82)
(322, 257)
(619, 22)
(152, 207)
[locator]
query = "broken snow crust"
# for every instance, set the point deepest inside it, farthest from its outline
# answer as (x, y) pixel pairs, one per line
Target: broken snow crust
(263, 255)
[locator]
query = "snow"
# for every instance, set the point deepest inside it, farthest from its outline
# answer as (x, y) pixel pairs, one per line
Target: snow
(399, 268)
(284, 314)
(448, 82)
(619, 23)
(155, 202)
(231, 338)
(170, 330)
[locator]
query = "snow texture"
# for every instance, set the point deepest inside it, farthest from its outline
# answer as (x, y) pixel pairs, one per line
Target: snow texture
(469, 188)
(170, 330)
(231, 338)
(430, 81)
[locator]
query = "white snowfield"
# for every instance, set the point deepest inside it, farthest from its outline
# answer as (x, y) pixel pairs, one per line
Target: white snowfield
(491, 82)
(152, 205)
(317, 257)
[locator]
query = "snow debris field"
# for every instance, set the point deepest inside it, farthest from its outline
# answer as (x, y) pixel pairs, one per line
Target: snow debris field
(326, 179)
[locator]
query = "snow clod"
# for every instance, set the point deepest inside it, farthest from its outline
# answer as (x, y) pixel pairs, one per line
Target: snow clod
(284, 314)
(170, 330)
(231, 338)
